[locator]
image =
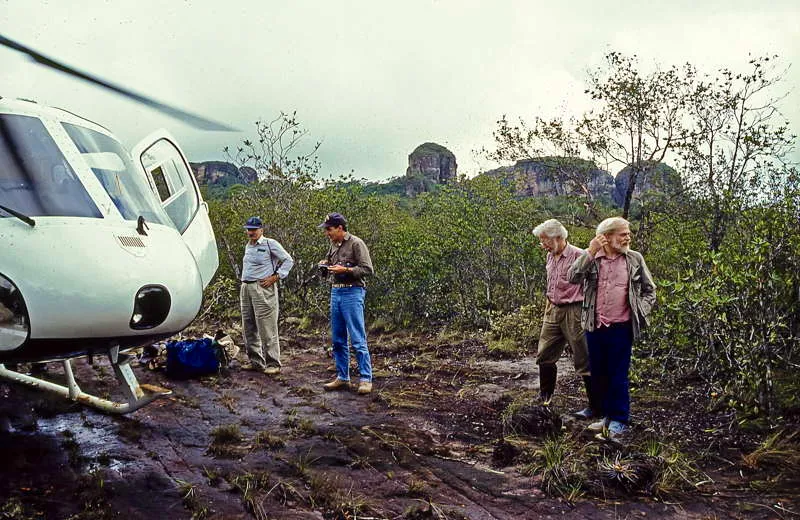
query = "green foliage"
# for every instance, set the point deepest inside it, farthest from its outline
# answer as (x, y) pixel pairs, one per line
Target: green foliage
(394, 186)
(455, 256)
(731, 315)
(780, 452)
(505, 348)
(226, 434)
(516, 332)
(676, 472)
(560, 466)
(462, 257)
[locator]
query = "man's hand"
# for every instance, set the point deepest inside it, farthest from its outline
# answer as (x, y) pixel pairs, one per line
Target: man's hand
(597, 243)
(269, 281)
(338, 269)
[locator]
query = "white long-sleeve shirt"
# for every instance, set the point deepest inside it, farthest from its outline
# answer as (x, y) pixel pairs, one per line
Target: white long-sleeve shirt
(262, 258)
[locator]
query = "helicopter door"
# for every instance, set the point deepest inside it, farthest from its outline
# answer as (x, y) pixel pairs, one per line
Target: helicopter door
(173, 183)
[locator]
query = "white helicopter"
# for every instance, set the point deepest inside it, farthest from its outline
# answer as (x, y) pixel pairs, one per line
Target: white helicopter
(102, 250)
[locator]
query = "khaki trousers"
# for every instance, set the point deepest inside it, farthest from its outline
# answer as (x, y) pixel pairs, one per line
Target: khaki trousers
(562, 326)
(260, 324)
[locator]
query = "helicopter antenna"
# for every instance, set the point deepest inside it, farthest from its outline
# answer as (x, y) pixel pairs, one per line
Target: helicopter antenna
(190, 119)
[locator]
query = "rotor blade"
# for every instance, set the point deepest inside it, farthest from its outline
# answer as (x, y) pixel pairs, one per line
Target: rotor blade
(190, 119)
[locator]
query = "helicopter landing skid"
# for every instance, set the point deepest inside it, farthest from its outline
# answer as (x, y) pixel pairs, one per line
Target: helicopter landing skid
(137, 395)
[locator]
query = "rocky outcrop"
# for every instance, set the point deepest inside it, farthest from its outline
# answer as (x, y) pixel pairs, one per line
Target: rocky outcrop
(222, 173)
(555, 176)
(429, 164)
(653, 178)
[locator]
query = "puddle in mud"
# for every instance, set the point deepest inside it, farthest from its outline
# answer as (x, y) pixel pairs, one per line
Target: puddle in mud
(94, 438)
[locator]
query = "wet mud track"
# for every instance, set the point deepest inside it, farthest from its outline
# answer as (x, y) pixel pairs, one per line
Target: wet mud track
(248, 445)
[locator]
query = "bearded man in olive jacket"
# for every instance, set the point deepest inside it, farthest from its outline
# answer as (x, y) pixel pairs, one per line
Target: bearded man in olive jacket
(618, 295)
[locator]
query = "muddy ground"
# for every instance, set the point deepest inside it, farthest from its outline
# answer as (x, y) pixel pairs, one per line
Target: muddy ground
(425, 444)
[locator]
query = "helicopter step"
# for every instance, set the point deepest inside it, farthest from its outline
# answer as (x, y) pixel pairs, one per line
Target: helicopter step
(137, 395)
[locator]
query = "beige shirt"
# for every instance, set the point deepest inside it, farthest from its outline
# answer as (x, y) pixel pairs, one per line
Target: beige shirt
(352, 252)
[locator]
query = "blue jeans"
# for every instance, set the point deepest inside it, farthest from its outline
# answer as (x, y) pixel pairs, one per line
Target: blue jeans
(347, 320)
(609, 362)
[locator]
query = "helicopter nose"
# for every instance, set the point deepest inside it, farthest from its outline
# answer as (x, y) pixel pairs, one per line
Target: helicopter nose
(150, 307)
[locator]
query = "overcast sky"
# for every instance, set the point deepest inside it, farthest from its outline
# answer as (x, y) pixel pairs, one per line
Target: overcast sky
(371, 79)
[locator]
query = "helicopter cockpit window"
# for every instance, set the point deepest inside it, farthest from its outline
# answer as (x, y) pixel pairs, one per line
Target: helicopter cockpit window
(35, 179)
(112, 166)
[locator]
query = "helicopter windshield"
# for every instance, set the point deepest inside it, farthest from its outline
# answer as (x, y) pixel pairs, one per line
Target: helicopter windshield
(113, 167)
(35, 179)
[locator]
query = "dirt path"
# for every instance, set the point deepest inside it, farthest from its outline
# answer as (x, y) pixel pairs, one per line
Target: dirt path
(247, 445)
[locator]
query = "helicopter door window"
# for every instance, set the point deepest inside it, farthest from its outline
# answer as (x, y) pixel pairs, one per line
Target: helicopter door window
(35, 179)
(170, 175)
(112, 166)
(161, 183)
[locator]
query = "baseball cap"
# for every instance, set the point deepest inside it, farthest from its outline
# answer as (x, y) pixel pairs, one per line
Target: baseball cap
(254, 223)
(333, 220)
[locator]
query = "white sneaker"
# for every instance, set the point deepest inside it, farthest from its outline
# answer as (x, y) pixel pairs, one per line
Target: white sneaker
(598, 425)
(616, 428)
(615, 432)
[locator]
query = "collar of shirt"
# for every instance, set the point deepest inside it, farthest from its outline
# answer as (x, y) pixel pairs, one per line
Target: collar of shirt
(557, 256)
(602, 254)
(346, 237)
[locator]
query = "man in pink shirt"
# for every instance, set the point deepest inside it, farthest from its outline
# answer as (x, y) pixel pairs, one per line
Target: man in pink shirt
(561, 324)
(618, 295)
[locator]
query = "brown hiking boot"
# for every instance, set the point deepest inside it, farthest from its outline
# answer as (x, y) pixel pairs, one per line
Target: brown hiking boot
(364, 387)
(336, 384)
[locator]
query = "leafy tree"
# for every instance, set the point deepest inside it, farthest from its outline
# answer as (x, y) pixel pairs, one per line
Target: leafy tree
(638, 118)
(636, 122)
(557, 146)
(738, 142)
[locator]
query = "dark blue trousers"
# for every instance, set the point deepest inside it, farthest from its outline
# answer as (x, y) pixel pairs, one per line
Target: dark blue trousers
(609, 362)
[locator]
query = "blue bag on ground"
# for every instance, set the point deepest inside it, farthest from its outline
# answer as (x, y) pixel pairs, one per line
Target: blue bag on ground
(191, 358)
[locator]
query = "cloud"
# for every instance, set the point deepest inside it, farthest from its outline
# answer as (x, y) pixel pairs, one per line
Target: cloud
(372, 80)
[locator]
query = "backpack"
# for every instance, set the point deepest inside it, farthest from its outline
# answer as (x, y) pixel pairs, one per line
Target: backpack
(192, 358)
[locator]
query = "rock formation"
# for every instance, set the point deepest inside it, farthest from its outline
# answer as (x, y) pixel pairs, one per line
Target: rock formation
(654, 177)
(555, 176)
(224, 173)
(429, 164)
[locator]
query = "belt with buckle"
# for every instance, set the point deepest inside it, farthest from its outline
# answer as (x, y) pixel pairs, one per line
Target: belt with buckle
(559, 305)
(249, 281)
(343, 285)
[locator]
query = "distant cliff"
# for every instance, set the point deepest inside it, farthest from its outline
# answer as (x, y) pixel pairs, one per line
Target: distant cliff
(555, 176)
(654, 177)
(222, 173)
